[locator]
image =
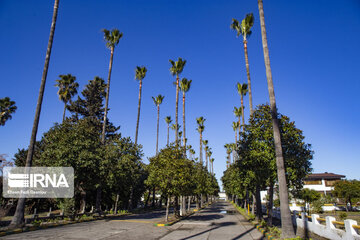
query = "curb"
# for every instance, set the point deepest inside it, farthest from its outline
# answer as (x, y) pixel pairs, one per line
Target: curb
(172, 223)
(258, 226)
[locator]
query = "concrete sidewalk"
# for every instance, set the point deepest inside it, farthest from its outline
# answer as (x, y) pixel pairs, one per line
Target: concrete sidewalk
(219, 221)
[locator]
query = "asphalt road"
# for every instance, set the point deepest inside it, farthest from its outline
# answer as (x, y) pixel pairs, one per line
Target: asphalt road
(219, 221)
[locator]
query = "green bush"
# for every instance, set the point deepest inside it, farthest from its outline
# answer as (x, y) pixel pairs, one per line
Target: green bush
(317, 206)
(251, 217)
(277, 202)
(343, 216)
(275, 231)
(36, 223)
(68, 205)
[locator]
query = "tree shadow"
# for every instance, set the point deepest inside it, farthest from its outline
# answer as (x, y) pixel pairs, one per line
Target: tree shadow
(242, 234)
(207, 217)
(216, 225)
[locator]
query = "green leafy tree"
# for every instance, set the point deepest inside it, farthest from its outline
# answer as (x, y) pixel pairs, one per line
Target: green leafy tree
(67, 89)
(347, 190)
(309, 196)
(7, 108)
(245, 30)
(91, 105)
(18, 219)
(176, 69)
(157, 101)
(256, 168)
(140, 73)
(172, 173)
(287, 227)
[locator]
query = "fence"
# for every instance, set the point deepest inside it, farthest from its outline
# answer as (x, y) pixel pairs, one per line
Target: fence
(326, 227)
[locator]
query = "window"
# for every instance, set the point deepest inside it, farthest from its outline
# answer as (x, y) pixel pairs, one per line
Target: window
(330, 183)
(312, 182)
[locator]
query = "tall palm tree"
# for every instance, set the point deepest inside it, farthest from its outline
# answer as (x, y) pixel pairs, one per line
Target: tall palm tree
(228, 152)
(157, 101)
(18, 219)
(206, 150)
(200, 121)
(245, 30)
(238, 113)
(209, 156)
(168, 121)
(140, 73)
(7, 107)
(235, 126)
(212, 165)
(242, 90)
(287, 227)
(112, 39)
(176, 69)
(67, 89)
(184, 87)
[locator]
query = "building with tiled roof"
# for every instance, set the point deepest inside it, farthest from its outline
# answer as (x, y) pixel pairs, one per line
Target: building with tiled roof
(322, 182)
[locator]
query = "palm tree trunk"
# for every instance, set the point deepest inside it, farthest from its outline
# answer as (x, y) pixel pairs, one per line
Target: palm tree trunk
(212, 167)
(107, 96)
(168, 128)
(239, 128)
(138, 114)
(176, 110)
(98, 190)
(157, 128)
(201, 160)
(18, 219)
(206, 159)
(242, 110)
(248, 76)
(64, 112)
(271, 203)
(287, 227)
(184, 134)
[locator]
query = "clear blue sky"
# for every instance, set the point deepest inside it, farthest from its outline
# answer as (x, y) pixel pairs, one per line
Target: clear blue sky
(314, 52)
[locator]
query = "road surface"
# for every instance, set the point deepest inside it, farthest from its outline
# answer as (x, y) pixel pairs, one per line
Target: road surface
(220, 221)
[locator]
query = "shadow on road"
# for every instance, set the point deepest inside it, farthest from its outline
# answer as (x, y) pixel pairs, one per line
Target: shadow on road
(207, 217)
(219, 225)
(242, 234)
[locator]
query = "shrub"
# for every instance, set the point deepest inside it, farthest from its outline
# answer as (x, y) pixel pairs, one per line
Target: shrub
(317, 206)
(342, 216)
(36, 223)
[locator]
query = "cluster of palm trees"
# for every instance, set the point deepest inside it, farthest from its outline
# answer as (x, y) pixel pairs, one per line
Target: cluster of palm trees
(68, 88)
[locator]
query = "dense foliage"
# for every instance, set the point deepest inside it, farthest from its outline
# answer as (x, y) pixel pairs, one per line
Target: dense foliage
(255, 168)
